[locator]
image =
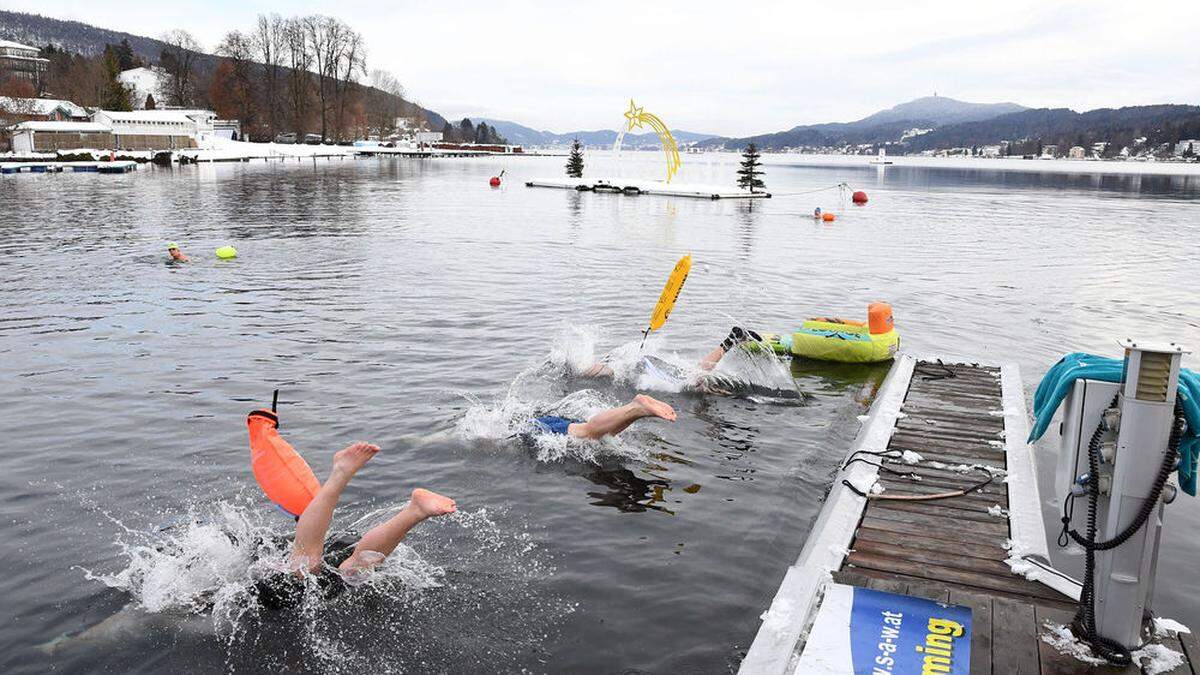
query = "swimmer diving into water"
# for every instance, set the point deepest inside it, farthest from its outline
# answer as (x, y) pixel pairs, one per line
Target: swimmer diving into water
(609, 422)
(737, 336)
(308, 549)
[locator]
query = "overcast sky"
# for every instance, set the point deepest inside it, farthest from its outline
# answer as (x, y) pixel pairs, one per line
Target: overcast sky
(730, 68)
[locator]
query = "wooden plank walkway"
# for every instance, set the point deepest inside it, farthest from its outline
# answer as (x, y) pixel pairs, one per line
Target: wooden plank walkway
(954, 550)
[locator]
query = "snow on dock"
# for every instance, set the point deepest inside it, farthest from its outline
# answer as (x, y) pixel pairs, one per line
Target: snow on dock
(981, 555)
(225, 150)
(632, 186)
(56, 167)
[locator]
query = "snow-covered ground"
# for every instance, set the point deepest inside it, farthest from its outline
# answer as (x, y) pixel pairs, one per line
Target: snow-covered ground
(222, 149)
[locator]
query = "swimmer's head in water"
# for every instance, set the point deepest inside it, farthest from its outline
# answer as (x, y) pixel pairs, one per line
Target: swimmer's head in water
(172, 246)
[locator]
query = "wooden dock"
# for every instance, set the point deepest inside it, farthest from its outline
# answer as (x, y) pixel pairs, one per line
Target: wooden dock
(117, 166)
(630, 186)
(965, 421)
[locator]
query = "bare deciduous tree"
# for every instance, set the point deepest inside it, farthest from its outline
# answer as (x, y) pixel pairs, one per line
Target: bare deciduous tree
(269, 46)
(384, 102)
(178, 60)
(299, 79)
(238, 90)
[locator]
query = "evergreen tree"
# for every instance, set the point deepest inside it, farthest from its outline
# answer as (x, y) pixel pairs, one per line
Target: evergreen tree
(575, 161)
(447, 132)
(114, 95)
(150, 104)
(126, 59)
(467, 130)
(748, 175)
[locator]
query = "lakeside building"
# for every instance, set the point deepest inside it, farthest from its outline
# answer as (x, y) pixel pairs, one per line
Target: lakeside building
(151, 130)
(427, 137)
(228, 129)
(48, 136)
(23, 61)
(159, 129)
(14, 110)
(1182, 147)
(990, 151)
(1076, 152)
(1049, 151)
(142, 82)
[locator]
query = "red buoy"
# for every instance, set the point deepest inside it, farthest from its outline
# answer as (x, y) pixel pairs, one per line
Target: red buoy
(859, 197)
(495, 181)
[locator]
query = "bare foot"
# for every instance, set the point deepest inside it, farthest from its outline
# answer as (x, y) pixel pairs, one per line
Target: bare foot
(432, 504)
(655, 407)
(351, 458)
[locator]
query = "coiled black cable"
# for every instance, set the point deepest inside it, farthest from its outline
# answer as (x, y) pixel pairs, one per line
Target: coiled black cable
(1085, 619)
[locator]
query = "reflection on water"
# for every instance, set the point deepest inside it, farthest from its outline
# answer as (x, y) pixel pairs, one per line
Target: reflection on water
(409, 304)
(627, 492)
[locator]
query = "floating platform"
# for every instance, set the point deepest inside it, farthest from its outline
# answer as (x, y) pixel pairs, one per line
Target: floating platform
(648, 187)
(962, 553)
(56, 167)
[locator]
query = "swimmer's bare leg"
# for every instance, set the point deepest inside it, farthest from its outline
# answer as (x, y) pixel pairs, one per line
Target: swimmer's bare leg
(384, 538)
(598, 370)
(314, 522)
(737, 336)
(713, 358)
(616, 420)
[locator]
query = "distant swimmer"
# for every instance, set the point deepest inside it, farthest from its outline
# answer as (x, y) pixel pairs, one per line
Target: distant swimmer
(308, 556)
(607, 423)
(176, 254)
(817, 213)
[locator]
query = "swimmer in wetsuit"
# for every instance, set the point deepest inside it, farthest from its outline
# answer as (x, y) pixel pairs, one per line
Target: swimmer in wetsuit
(308, 549)
(737, 336)
(609, 422)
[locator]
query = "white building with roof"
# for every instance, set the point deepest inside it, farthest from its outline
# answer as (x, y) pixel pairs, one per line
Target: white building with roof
(45, 109)
(23, 61)
(48, 136)
(142, 82)
(1182, 146)
(196, 125)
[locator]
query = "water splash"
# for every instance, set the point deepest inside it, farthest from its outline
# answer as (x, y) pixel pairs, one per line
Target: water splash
(423, 604)
(539, 390)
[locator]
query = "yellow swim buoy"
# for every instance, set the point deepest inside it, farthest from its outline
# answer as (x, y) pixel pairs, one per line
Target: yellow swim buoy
(226, 252)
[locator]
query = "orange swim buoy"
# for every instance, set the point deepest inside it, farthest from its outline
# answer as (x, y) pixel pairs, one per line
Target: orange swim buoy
(827, 217)
(879, 318)
(280, 471)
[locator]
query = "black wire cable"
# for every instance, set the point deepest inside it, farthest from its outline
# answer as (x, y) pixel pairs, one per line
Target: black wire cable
(1085, 619)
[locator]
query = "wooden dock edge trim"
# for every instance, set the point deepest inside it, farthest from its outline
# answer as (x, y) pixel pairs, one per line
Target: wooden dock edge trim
(1028, 530)
(776, 643)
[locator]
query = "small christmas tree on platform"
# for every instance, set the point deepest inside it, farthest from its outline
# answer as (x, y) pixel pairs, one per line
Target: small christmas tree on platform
(748, 175)
(575, 161)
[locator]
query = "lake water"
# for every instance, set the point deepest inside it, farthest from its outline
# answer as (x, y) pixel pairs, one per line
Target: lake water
(407, 303)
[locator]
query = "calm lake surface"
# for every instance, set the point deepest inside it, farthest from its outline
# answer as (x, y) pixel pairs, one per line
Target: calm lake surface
(406, 303)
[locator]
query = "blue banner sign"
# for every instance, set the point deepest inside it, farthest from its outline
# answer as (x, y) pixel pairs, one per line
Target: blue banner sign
(867, 632)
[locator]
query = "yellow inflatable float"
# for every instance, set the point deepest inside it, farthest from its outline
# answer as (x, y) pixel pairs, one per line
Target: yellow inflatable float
(842, 340)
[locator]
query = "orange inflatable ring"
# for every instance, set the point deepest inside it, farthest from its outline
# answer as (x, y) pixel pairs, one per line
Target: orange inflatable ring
(827, 217)
(280, 471)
